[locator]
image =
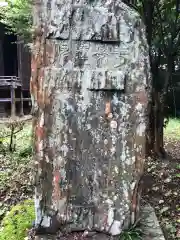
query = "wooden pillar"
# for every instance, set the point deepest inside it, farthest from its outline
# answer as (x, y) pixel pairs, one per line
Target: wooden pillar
(19, 56)
(13, 102)
(22, 105)
(1, 58)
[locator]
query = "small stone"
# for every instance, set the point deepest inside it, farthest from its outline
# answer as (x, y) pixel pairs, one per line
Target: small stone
(155, 188)
(167, 180)
(167, 194)
(164, 209)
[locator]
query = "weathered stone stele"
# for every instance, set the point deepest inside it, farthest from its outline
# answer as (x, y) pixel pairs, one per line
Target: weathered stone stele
(89, 86)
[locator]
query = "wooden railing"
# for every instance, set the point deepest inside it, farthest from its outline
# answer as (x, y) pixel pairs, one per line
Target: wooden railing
(16, 99)
(10, 81)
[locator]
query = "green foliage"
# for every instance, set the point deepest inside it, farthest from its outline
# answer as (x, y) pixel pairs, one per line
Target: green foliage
(17, 221)
(4, 176)
(26, 152)
(21, 133)
(162, 18)
(172, 130)
(15, 167)
(17, 16)
(133, 233)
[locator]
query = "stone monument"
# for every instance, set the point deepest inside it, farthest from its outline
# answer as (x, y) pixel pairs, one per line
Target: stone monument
(90, 84)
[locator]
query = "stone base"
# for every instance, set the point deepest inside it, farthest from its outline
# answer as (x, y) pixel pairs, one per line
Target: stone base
(148, 223)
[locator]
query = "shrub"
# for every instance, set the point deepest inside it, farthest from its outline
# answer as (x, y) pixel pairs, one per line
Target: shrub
(26, 152)
(16, 223)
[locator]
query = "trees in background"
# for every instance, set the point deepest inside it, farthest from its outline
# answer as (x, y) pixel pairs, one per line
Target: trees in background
(162, 20)
(17, 16)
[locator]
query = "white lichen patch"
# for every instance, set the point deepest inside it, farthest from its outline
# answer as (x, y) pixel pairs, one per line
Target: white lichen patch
(140, 130)
(116, 229)
(64, 148)
(41, 218)
(113, 150)
(133, 184)
(125, 190)
(41, 122)
(105, 141)
(139, 107)
(40, 149)
(116, 169)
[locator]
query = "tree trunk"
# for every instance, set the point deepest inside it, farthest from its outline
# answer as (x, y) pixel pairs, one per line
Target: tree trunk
(159, 125)
(22, 104)
(161, 101)
(148, 11)
(12, 144)
(89, 117)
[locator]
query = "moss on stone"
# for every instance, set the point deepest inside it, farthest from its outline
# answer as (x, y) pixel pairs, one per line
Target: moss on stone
(16, 222)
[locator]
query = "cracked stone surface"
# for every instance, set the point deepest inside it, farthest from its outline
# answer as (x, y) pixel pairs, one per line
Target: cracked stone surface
(149, 224)
(90, 90)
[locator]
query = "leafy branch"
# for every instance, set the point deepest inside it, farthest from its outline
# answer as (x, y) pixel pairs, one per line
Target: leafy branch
(17, 17)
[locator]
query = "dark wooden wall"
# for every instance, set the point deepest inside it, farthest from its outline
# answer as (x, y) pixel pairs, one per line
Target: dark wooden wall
(15, 60)
(24, 64)
(1, 50)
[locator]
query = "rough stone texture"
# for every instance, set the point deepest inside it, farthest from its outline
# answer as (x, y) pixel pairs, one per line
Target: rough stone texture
(150, 225)
(90, 84)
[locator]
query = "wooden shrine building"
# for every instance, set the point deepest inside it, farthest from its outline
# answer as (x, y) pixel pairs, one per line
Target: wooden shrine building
(15, 71)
